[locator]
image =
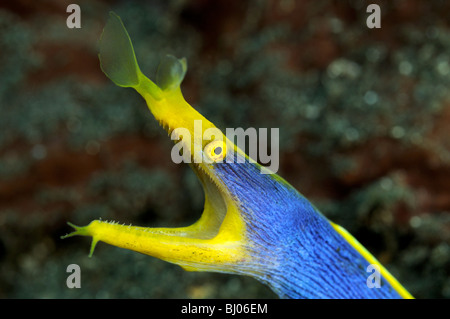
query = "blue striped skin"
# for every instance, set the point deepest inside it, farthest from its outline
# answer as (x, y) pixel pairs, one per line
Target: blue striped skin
(294, 248)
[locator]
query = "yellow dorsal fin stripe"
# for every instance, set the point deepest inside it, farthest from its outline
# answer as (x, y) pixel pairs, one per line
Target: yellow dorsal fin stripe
(371, 259)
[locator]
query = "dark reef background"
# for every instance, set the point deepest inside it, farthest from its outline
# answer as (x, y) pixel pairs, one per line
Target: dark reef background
(364, 118)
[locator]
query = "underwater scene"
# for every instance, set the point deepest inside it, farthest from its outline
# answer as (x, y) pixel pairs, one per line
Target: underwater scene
(356, 98)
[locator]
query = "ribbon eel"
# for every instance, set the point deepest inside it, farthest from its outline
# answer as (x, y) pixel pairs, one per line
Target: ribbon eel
(253, 224)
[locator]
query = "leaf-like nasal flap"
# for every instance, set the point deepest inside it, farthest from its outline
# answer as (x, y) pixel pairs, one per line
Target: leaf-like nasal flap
(171, 72)
(117, 58)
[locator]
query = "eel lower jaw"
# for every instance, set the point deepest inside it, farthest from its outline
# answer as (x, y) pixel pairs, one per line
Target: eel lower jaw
(216, 242)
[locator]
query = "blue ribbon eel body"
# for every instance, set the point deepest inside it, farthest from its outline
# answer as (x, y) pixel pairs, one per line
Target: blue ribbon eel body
(253, 224)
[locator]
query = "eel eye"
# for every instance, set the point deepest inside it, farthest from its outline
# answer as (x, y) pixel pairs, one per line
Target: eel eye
(216, 150)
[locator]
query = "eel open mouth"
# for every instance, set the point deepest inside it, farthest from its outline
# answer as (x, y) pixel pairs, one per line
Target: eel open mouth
(215, 241)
